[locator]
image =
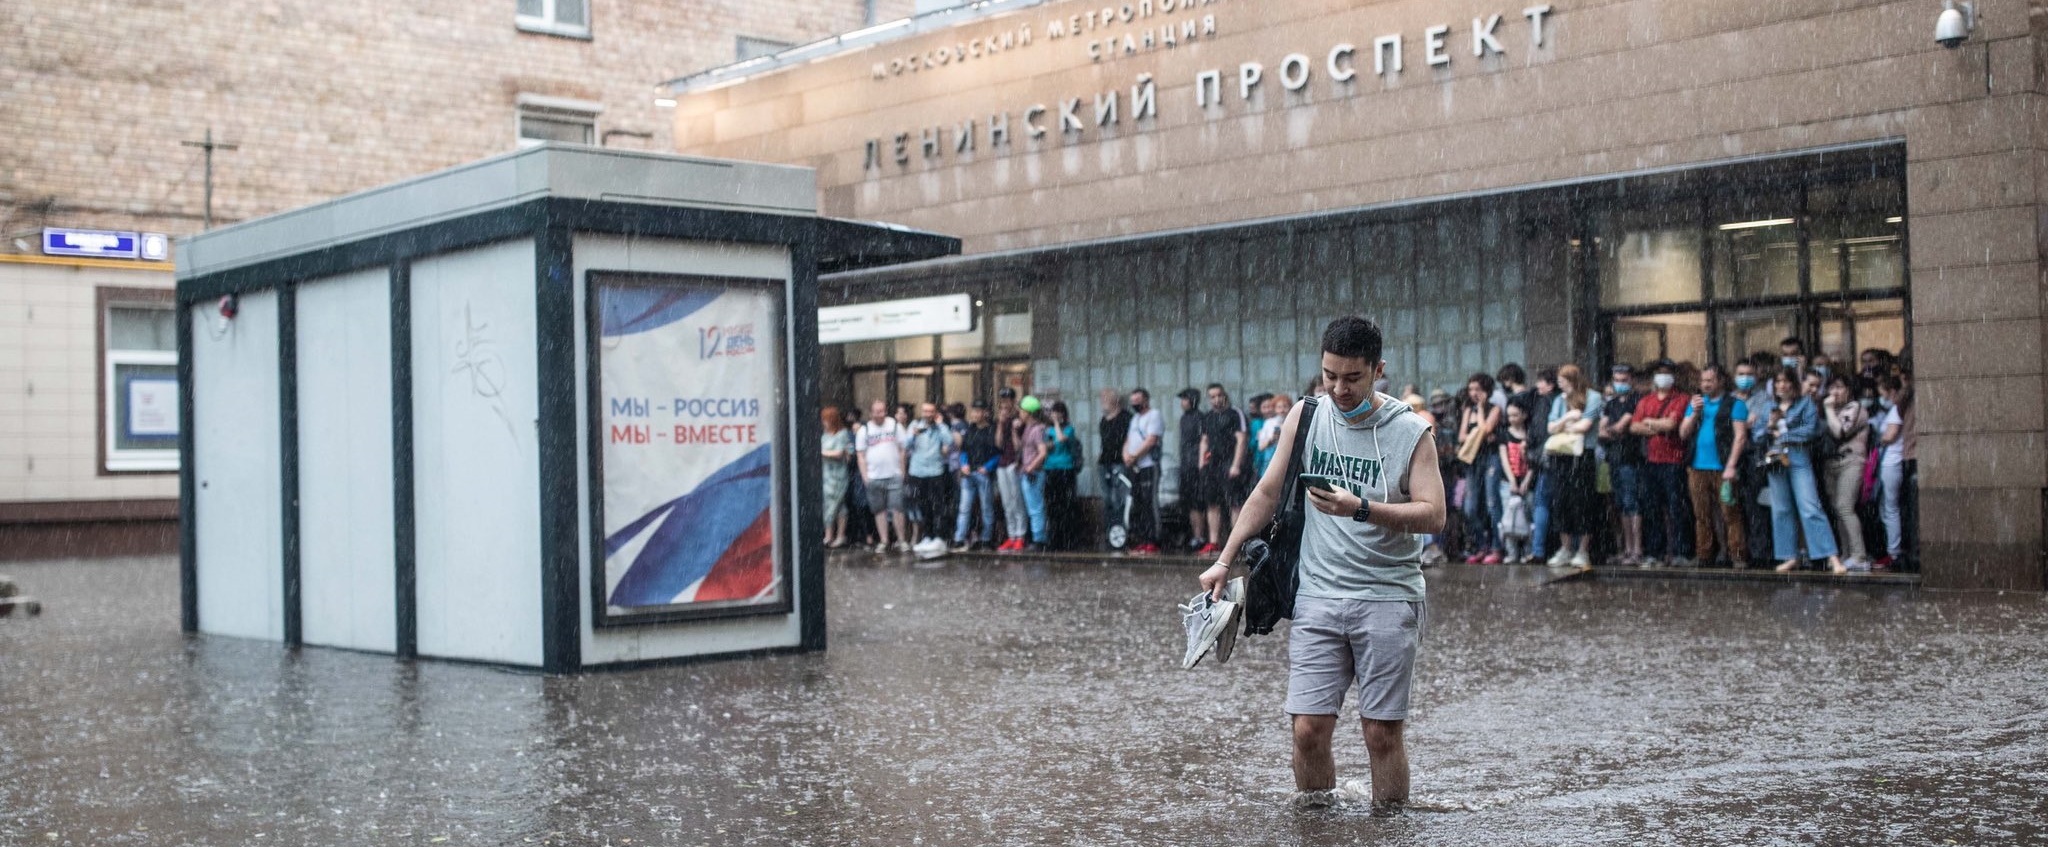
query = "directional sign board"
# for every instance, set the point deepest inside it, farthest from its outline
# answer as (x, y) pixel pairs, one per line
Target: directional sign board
(896, 318)
(95, 243)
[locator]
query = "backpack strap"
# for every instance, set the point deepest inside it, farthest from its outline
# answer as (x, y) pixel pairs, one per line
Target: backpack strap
(1296, 459)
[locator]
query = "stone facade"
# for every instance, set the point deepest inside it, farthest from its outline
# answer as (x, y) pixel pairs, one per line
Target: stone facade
(1616, 86)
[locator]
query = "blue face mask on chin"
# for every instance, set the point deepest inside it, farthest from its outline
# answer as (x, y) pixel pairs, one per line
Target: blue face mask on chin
(1355, 415)
(1364, 407)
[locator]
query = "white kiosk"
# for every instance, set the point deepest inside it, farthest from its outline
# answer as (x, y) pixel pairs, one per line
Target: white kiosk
(542, 410)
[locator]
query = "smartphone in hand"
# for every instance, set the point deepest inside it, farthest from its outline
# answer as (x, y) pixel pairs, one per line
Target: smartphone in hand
(1319, 481)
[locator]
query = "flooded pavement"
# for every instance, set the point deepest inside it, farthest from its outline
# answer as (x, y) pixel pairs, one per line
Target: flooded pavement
(1037, 703)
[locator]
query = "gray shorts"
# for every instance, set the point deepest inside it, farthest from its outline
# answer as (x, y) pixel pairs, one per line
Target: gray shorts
(1334, 642)
(885, 495)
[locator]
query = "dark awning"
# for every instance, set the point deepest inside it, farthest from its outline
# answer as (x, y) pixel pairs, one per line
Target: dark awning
(847, 245)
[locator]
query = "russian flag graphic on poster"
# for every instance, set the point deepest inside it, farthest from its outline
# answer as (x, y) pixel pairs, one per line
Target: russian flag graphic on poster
(688, 389)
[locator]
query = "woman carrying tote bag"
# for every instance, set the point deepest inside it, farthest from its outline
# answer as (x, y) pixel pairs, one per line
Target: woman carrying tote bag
(1573, 414)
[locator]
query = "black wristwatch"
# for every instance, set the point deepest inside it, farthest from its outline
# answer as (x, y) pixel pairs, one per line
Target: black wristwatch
(1364, 513)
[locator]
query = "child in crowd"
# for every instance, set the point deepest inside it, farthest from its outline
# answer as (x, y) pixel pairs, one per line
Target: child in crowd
(1518, 475)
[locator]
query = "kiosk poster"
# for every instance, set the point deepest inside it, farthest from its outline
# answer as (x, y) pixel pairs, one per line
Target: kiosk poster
(686, 405)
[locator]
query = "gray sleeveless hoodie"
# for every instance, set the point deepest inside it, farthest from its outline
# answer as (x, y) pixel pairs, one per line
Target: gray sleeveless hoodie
(1343, 559)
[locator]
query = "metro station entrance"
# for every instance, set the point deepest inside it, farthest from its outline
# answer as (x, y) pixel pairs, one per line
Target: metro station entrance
(952, 368)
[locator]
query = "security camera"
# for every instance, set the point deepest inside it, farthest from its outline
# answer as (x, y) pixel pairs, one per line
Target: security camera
(1953, 27)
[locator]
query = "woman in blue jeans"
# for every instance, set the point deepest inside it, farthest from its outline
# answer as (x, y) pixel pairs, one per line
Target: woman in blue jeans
(1032, 453)
(1795, 496)
(1482, 476)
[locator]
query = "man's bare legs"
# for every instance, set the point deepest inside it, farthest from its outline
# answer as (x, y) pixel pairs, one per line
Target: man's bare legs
(1315, 769)
(882, 523)
(1384, 744)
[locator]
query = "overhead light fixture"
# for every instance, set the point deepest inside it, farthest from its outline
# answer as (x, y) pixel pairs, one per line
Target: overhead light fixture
(1893, 219)
(665, 102)
(1756, 224)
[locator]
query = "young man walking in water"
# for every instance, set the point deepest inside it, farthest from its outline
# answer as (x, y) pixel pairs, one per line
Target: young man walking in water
(1359, 611)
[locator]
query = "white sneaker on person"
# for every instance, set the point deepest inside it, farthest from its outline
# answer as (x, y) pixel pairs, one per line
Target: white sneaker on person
(1581, 560)
(1204, 620)
(1233, 592)
(902, 546)
(1563, 557)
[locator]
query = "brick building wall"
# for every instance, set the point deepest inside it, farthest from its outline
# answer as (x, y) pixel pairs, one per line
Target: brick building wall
(323, 98)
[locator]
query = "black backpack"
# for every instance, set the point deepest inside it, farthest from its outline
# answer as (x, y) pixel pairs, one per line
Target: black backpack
(1274, 555)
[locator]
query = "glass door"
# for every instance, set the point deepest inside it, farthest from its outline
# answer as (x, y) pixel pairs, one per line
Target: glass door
(1641, 339)
(1747, 331)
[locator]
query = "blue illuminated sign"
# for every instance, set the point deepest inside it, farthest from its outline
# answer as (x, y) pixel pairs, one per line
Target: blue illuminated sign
(95, 243)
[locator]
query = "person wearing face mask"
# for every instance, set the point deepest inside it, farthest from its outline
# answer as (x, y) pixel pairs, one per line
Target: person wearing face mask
(1753, 488)
(1848, 428)
(1360, 610)
(1141, 458)
(1891, 429)
(1623, 451)
(1111, 430)
(1657, 418)
(1792, 354)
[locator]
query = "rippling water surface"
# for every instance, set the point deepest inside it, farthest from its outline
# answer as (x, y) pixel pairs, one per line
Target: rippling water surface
(1032, 703)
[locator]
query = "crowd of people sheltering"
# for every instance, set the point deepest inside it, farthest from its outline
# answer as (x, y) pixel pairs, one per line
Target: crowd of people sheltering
(1779, 460)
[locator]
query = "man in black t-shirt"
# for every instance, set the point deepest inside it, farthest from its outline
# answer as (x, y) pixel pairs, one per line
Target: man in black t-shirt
(1625, 456)
(1224, 460)
(1195, 494)
(1114, 427)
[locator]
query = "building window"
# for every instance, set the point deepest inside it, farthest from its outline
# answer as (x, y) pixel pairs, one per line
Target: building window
(555, 17)
(560, 119)
(139, 381)
(953, 368)
(1816, 256)
(1649, 255)
(754, 48)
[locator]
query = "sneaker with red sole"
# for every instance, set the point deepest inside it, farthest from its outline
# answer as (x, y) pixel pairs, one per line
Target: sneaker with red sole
(1145, 550)
(1491, 559)
(1208, 550)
